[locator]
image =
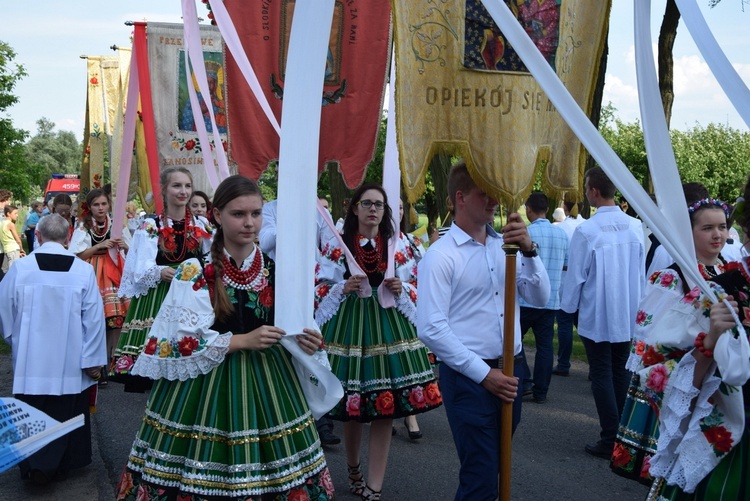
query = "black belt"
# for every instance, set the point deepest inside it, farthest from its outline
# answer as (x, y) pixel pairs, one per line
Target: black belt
(497, 363)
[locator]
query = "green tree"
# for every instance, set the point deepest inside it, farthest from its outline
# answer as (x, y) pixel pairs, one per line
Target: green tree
(627, 141)
(15, 172)
(716, 155)
(54, 152)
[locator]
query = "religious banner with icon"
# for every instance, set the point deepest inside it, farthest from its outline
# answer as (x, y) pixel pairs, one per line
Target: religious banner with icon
(174, 117)
(462, 89)
(356, 71)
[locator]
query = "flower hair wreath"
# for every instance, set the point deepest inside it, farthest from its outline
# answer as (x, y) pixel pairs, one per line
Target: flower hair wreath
(706, 202)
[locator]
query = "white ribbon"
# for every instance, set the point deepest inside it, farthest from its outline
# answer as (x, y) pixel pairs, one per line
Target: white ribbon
(717, 61)
(194, 59)
(298, 153)
(392, 187)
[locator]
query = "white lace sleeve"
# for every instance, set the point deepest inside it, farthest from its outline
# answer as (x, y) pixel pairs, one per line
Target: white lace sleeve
(329, 279)
(405, 262)
(684, 457)
(80, 241)
(202, 223)
(663, 290)
(181, 344)
(141, 272)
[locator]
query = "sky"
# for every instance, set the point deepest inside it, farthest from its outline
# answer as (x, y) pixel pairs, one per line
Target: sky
(50, 35)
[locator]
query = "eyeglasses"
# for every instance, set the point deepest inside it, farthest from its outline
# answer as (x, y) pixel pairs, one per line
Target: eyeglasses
(366, 204)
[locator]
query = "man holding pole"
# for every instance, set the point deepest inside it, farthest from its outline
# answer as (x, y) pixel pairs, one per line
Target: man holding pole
(460, 317)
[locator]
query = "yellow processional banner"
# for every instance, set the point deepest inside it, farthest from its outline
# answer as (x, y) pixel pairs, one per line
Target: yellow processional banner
(102, 97)
(461, 89)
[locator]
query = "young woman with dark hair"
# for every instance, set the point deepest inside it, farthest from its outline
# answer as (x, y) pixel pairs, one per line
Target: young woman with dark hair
(91, 242)
(374, 351)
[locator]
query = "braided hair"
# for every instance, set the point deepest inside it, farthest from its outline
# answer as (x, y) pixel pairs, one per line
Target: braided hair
(229, 189)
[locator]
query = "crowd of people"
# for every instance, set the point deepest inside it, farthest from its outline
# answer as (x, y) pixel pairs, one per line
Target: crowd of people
(181, 304)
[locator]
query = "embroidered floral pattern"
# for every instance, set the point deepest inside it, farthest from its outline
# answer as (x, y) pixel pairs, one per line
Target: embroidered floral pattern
(173, 349)
(621, 456)
(390, 403)
(716, 433)
(133, 488)
(643, 319)
(657, 378)
(666, 280)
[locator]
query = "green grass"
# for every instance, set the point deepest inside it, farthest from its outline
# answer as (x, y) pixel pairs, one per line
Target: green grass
(4, 348)
(579, 352)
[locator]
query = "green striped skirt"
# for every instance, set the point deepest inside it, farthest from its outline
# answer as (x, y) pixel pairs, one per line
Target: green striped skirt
(637, 435)
(243, 430)
(381, 364)
(729, 481)
(135, 330)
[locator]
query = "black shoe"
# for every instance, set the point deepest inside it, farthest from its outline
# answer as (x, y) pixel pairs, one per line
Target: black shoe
(328, 438)
(600, 450)
(540, 399)
(393, 431)
(37, 478)
(527, 391)
(559, 372)
(413, 435)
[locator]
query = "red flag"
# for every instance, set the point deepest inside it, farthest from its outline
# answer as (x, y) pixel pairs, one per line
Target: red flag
(353, 93)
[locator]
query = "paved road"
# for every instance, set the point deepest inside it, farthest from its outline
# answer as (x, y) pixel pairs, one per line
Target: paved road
(548, 457)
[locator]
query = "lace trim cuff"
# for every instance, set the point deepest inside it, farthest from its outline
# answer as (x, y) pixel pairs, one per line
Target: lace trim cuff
(330, 304)
(184, 368)
(130, 287)
(406, 307)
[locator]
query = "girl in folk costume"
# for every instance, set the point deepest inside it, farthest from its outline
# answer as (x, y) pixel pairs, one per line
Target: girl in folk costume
(91, 242)
(639, 425)
(158, 247)
(374, 351)
(227, 417)
(698, 363)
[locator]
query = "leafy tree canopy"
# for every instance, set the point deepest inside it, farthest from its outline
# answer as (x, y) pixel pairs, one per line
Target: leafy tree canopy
(15, 172)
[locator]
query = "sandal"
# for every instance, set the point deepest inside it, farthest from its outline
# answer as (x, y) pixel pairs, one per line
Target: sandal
(369, 494)
(357, 483)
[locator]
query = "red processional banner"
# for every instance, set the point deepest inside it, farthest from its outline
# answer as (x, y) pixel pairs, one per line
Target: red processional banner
(356, 73)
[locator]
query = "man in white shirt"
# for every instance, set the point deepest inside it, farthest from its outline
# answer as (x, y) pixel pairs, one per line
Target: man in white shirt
(565, 320)
(54, 365)
(604, 282)
(460, 314)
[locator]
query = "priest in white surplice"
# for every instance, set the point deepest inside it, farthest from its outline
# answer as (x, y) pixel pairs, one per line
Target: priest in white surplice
(51, 315)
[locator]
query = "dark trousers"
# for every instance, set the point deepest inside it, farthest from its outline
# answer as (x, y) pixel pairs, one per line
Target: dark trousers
(565, 322)
(69, 451)
(474, 417)
(609, 383)
(542, 322)
(324, 424)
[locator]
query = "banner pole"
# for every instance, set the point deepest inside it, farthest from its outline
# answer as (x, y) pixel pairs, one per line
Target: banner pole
(506, 412)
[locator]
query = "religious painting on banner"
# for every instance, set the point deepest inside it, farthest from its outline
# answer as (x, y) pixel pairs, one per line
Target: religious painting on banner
(461, 89)
(355, 76)
(174, 117)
